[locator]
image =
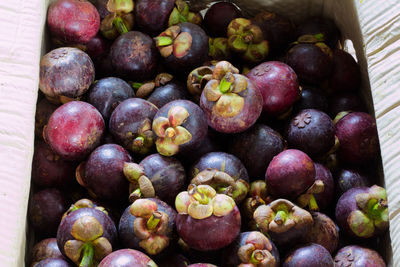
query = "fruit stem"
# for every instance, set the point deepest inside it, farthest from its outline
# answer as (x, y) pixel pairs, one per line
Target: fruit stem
(138, 142)
(136, 85)
(280, 217)
(163, 40)
(154, 220)
(88, 254)
(313, 205)
(120, 25)
(256, 257)
(225, 86)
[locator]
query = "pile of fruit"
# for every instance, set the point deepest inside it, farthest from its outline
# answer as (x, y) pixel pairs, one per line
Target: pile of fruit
(167, 139)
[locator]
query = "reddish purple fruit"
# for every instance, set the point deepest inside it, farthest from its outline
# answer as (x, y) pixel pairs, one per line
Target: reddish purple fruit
(180, 127)
(49, 169)
(106, 94)
(148, 225)
(127, 258)
(320, 25)
(323, 232)
(251, 249)
(231, 102)
(44, 109)
(311, 131)
(346, 74)
(347, 179)
(206, 220)
(345, 102)
(74, 130)
(53, 262)
(45, 249)
(311, 98)
(73, 21)
(104, 175)
(278, 85)
(358, 138)
(357, 256)
(363, 212)
(65, 72)
(46, 209)
(130, 124)
(218, 17)
(310, 255)
(134, 56)
(289, 174)
(86, 236)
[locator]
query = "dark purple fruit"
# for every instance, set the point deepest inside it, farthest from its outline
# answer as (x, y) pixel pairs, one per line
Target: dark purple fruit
(45, 249)
(74, 130)
(65, 72)
(46, 209)
(323, 26)
(156, 175)
(231, 102)
(311, 131)
(134, 56)
(358, 138)
(183, 47)
(148, 225)
(44, 109)
(289, 174)
(311, 59)
(97, 47)
(218, 17)
(346, 74)
(310, 255)
(173, 90)
(53, 262)
(278, 85)
(101, 6)
(256, 147)
(284, 222)
(127, 258)
(311, 98)
(347, 179)
(180, 127)
(363, 212)
(106, 94)
(130, 125)
(48, 169)
(206, 220)
(323, 232)
(356, 256)
(103, 66)
(174, 260)
(73, 21)
(345, 102)
(104, 175)
(251, 249)
(86, 236)
(202, 265)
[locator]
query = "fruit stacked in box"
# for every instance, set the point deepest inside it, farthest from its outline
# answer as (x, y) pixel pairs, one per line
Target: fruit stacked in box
(165, 138)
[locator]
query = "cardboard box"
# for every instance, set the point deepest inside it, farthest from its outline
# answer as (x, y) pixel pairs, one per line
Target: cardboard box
(372, 26)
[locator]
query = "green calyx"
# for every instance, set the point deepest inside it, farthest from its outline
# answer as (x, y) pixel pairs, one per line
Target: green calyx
(218, 48)
(88, 255)
(181, 13)
(120, 6)
(163, 41)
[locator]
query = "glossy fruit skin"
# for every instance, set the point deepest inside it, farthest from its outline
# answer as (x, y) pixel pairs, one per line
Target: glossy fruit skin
(358, 138)
(310, 63)
(74, 130)
(127, 235)
(278, 85)
(223, 162)
(358, 257)
(48, 169)
(310, 255)
(129, 257)
(196, 124)
(166, 174)
(65, 227)
(107, 93)
(97, 46)
(218, 17)
(104, 174)
(211, 233)
(53, 262)
(174, 260)
(256, 147)
(45, 249)
(230, 253)
(311, 131)
(209, 145)
(311, 98)
(325, 198)
(44, 109)
(289, 174)
(128, 117)
(46, 209)
(347, 179)
(73, 21)
(323, 232)
(316, 25)
(134, 56)
(174, 90)
(346, 74)
(345, 102)
(152, 17)
(197, 54)
(65, 71)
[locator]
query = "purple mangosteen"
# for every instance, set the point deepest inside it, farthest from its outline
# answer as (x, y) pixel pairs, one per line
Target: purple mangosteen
(310, 255)
(127, 258)
(356, 256)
